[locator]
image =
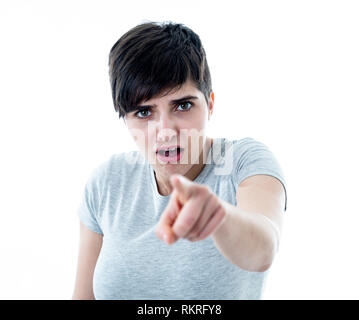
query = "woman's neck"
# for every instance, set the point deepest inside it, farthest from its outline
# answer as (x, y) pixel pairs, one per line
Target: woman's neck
(164, 186)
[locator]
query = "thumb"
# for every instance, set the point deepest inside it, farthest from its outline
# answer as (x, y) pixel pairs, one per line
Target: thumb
(183, 186)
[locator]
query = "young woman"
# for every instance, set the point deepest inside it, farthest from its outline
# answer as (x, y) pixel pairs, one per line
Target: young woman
(185, 216)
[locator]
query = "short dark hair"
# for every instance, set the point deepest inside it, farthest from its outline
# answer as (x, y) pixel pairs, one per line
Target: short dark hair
(153, 57)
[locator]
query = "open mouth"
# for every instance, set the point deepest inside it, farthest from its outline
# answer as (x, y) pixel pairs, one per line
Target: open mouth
(170, 155)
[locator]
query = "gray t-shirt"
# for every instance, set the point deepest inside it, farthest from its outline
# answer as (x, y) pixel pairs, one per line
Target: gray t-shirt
(121, 201)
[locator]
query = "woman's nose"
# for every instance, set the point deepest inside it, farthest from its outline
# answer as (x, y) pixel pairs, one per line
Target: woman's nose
(166, 127)
(166, 122)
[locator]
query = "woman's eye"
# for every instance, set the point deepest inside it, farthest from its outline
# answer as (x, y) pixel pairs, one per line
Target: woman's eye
(185, 106)
(186, 103)
(140, 114)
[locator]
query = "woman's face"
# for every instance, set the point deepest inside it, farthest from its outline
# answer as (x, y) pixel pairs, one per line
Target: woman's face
(167, 121)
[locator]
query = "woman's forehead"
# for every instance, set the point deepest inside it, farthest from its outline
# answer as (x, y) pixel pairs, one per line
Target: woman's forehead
(186, 89)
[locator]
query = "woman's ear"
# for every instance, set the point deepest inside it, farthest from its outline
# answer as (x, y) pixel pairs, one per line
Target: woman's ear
(210, 105)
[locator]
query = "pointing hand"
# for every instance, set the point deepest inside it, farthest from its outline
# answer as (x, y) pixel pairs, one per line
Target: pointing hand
(194, 212)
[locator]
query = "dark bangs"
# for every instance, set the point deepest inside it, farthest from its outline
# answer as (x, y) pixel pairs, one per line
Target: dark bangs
(151, 59)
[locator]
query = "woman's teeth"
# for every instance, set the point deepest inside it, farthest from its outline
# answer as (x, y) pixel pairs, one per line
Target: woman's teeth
(168, 151)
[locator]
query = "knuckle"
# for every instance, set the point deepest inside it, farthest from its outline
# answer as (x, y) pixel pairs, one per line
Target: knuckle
(192, 238)
(202, 236)
(205, 189)
(219, 207)
(188, 221)
(197, 235)
(214, 202)
(202, 190)
(181, 229)
(222, 211)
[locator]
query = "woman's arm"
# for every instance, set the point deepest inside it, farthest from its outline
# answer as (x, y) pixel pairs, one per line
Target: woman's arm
(90, 247)
(250, 233)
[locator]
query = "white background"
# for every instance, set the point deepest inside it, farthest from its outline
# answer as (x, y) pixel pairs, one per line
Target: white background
(284, 72)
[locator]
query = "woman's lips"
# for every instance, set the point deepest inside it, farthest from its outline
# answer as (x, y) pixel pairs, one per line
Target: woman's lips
(168, 147)
(171, 157)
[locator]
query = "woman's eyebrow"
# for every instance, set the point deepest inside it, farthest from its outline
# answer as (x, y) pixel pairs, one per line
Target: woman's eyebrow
(172, 102)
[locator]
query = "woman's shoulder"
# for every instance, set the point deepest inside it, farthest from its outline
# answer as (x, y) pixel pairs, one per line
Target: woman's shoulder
(117, 164)
(124, 163)
(229, 155)
(228, 147)
(241, 142)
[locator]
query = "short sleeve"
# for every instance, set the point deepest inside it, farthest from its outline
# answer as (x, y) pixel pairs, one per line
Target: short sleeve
(254, 157)
(90, 204)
